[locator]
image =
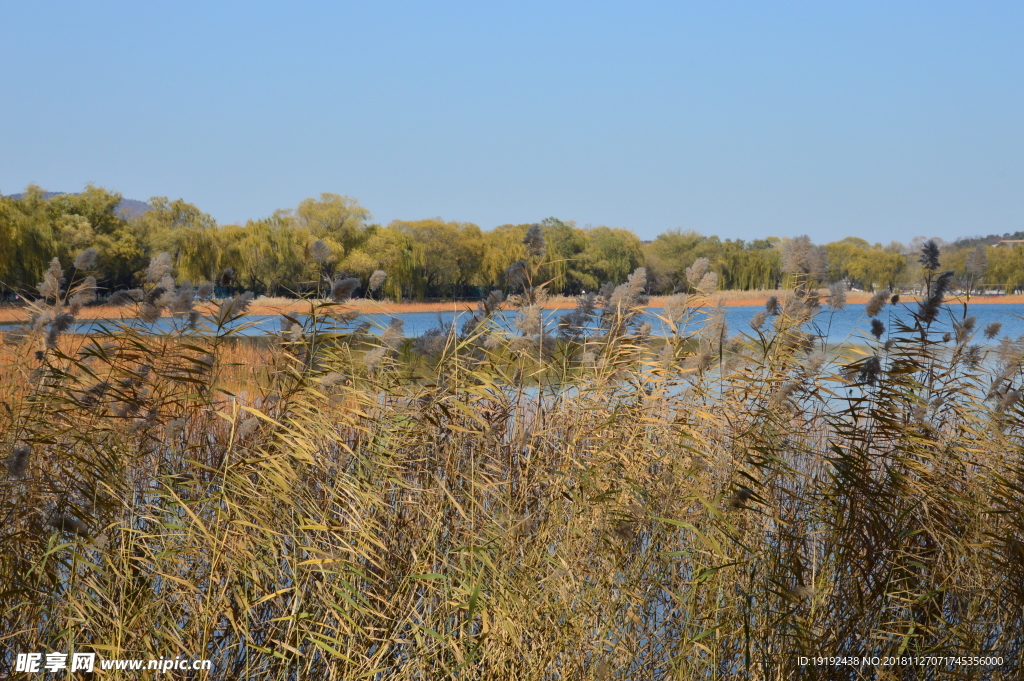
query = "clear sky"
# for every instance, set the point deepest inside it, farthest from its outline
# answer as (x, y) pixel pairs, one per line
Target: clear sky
(883, 120)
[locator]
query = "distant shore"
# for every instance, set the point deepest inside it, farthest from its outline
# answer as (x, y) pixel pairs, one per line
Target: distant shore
(272, 306)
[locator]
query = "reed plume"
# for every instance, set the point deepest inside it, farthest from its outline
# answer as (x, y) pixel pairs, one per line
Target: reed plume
(516, 275)
(53, 278)
(159, 268)
(837, 295)
(695, 272)
(377, 279)
(342, 289)
(86, 260)
(17, 461)
(320, 252)
(800, 256)
(534, 241)
(928, 309)
(877, 302)
(929, 255)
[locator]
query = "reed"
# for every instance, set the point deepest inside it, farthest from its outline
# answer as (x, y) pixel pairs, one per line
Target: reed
(582, 502)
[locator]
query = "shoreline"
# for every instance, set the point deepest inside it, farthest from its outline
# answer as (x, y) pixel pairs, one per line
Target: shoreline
(269, 306)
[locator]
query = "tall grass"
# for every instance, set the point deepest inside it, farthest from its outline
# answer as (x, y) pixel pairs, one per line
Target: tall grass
(566, 503)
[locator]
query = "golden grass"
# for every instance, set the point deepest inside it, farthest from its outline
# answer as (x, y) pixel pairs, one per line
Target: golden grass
(328, 507)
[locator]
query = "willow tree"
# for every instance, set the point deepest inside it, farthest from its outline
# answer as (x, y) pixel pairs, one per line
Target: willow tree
(393, 252)
(446, 255)
(27, 239)
(336, 219)
(611, 255)
(187, 233)
(566, 244)
(267, 256)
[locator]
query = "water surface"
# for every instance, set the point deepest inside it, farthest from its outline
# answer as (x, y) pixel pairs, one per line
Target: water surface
(850, 323)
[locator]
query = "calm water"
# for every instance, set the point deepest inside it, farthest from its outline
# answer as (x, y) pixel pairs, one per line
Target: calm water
(850, 323)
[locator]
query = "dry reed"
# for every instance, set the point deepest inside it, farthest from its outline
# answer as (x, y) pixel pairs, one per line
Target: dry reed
(324, 505)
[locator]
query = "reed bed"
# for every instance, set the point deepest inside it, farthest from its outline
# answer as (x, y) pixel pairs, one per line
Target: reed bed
(556, 503)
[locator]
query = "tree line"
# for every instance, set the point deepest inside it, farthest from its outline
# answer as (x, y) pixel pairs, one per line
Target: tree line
(297, 251)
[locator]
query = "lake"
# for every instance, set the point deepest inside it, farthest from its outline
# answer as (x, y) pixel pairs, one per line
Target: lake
(850, 323)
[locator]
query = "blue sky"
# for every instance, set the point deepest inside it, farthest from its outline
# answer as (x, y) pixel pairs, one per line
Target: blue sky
(884, 120)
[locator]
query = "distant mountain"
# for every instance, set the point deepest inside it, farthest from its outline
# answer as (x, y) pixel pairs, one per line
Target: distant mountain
(127, 209)
(130, 208)
(990, 240)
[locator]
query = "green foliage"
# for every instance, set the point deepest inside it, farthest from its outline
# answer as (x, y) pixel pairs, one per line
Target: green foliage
(435, 258)
(338, 217)
(1006, 266)
(610, 255)
(27, 237)
(443, 255)
(868, 267)
(267, 255)
(565, 265)
(739, 265)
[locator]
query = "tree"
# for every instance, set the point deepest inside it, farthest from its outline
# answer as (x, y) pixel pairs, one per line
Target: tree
(612, 254)
(841, 258)
(90, 219)
(878, 268)
(266, 255)
(1006, 267)
(668, 256)
(977, 263)
(743, 266)
(800, 257)
(393, 252)
(181, 229)
(95, 205)
(445, 254)
(502, 246)
(563, 266)
(333, 218)
(27, 237)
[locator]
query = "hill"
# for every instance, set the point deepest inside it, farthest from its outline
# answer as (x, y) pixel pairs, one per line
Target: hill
(990, 240)
(128, 208)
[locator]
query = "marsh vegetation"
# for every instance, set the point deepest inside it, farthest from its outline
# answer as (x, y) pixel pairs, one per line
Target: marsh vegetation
(577, 501)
